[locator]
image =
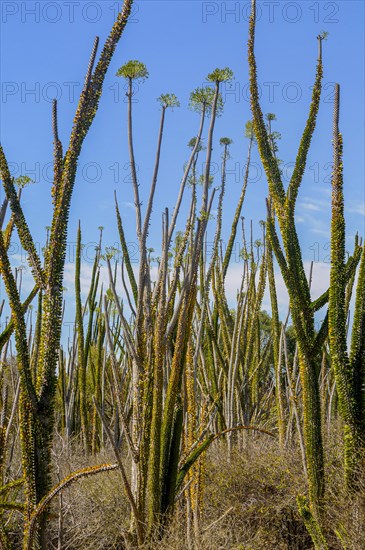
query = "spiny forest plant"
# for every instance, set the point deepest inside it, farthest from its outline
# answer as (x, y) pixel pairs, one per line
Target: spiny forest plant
(309, 341)
(161, 330)
(167, 334)
(291, 265)
(348, 366)
(37, 395)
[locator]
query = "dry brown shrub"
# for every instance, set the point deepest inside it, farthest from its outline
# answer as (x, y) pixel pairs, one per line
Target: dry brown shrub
(249, 502)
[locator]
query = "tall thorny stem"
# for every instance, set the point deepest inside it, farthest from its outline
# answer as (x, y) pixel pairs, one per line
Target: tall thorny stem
(37, 399)
(291, 265)
(348, 370)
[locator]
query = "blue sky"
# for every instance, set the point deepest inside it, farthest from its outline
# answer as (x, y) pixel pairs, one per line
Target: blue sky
(44, 53)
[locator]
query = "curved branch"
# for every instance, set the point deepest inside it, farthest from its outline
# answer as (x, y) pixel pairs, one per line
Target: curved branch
(66, 482)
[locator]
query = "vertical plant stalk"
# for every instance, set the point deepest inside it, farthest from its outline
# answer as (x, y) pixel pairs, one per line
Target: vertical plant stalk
(277, 347)
(346, 371)
(125, 252)
(292, 268)
(82, 363)
(132, 160)
(237, 214)
(153, 484)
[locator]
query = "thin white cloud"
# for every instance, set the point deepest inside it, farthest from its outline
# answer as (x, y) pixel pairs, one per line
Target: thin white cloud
(317, 224)
(356, 208)
(310, 206)
(319, 231)
(311, 203)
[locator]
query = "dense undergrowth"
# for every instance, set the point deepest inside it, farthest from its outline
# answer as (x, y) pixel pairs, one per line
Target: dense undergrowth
(248, 502)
